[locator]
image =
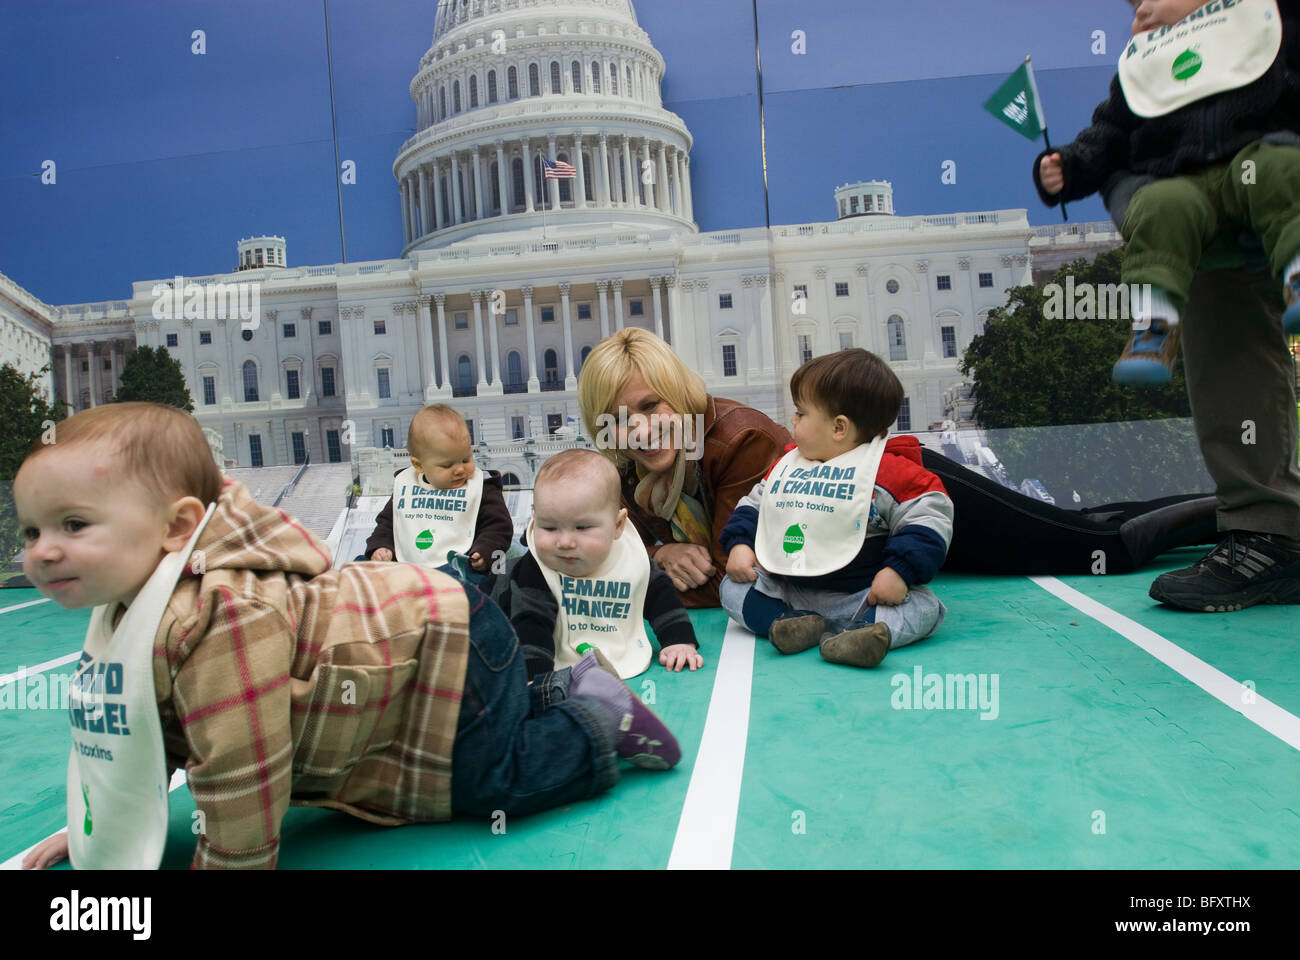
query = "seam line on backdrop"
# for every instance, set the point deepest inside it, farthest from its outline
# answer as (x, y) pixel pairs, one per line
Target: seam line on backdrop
(762, 125)
(1262, 712)
(334, 125)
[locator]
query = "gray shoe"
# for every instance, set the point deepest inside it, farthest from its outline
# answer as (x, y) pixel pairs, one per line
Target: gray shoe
(862, 646)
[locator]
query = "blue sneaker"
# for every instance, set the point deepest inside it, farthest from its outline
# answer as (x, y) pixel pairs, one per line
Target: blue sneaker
(1148, 358)
(1291, 294)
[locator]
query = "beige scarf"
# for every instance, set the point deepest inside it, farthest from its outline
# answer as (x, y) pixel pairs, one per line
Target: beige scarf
(674, 496)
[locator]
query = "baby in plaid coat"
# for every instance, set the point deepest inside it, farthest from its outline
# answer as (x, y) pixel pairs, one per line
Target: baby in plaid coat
(390, 691)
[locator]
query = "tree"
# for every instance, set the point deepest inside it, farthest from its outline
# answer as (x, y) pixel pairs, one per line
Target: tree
(1031, 371)
(154, 375)
(26, 416)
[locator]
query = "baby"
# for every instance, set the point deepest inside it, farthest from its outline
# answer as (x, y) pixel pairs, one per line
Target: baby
(845, 527)
(1206, 99)
(222, 642)
(587, 581)
(441, 503)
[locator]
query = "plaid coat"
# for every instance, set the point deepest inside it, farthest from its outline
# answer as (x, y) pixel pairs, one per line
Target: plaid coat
(280, 680)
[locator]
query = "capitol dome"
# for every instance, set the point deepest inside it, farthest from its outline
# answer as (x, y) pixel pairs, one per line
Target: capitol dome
(506, 83)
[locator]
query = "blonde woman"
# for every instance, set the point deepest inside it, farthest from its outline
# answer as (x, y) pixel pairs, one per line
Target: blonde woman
(684, 457)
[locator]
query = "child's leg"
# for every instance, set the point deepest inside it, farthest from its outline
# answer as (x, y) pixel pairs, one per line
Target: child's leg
(1167, 226)
(506, 759)
(880, 628)
(1269, 202)
(758, 611)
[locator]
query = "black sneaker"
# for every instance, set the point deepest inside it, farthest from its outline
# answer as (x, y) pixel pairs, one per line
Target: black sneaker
(1243, 570)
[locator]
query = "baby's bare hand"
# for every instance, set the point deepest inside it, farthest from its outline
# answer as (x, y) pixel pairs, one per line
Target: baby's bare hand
(48, 852)
(383, 553)
(1052, 173)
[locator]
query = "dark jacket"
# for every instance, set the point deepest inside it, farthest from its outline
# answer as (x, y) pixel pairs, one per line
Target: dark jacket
(1208, 131)
(493, 531)
(740, 444)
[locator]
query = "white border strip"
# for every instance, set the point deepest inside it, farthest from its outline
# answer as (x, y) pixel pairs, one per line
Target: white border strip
(29, 603)
(8, 678)
(706, 831)
(1231, 693)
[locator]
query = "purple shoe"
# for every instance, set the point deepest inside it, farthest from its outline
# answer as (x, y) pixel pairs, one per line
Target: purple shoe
(640, 737)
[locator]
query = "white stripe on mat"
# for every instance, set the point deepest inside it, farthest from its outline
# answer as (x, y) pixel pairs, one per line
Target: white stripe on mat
(8, 678)
(16, 861)
(706, 831)
(1232, 693)
(29, 603)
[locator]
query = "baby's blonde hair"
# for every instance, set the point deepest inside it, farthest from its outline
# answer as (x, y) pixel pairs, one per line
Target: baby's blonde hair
(428, 422)
(582, 466)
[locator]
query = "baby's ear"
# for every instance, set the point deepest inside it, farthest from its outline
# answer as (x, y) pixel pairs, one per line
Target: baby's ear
(618, 524)
(183, 519)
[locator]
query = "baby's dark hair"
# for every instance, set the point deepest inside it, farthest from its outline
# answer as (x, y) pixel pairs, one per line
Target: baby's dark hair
(855, 383)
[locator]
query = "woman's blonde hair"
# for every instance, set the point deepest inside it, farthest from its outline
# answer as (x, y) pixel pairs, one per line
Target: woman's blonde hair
(610, 365)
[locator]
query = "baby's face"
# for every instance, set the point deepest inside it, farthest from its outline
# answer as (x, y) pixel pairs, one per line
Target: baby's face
(1152, 14)
(574, 527)
(91, 537)
(446, 460)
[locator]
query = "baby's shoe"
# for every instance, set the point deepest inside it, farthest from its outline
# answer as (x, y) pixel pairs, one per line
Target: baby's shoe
(795, 634)
(863, 645)
(1291, 294)
(640, 737)
(1148, 358)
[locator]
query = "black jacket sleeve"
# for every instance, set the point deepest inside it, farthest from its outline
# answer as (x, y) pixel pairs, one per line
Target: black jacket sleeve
(1096, 152)
(495, 528)
(532, 610)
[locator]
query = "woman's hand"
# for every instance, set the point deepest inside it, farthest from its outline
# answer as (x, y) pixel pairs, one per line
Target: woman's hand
(1051, 173)
(48, 852)
(688, 565)
(740, 564)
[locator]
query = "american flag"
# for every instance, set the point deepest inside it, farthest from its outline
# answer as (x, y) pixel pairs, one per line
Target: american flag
(559, 170)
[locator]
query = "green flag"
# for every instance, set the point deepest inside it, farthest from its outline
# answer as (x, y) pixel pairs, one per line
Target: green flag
(1017, 105)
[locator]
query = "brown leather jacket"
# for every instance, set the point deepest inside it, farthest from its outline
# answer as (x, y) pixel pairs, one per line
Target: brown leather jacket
(740, 445)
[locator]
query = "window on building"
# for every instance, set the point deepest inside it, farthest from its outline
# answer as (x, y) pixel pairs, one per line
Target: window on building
(880, 202)
(986, 279)
(805, 348)
(846, 340)
(595, 76)
(209, 390)
(85, 366)
(455, 96)
(386, 438)
(205, 337)
(584, 311)
(583, 358)
(380, 327)
(517, 428)
(566, 186)
(575, 71)
(107, 365)
(892, 286)
(333, 449)
(905, 415)
(442, 103)
(897, 338)
(801, 290)
(943, 281)
(250, 381)
(550, 363)
(853, 204)
(728, 359)
(327, 381)
(534, 85)
(291, 384)
(469, 425)
(384, 391)
(724, 301)
(462, 321)
(555, 77)
(509, 480)
(492, 86)
(553, 422)
(843, 210)
(299, 447)
(290, 331)
(246, 335)
(613, 79)
(496, 187)
(548, 314)
(512, 83)
(255, 449)
(473, 92)
(517, 180)
(636, 308)
(628, 77)
(464, 372)
(173, 340)
(514, 370)
(841, 289)
(512, 317)
(325, 327)
(949, 336)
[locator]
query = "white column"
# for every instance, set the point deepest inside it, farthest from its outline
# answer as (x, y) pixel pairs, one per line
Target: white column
(765, 318)
(674, 310)
(650, 191)
(478, 338)
(686, 187)
(579, 185)
(528, 176)
(627, 169)
(680, 207)
(113, 381)
(68, 395)
(661, 157)
(458, 214)
(602, 173)
(602, 289)
(618, 303)
(533, 385)
(570, 381)
(425, 339)
(427, 217)
(406, 214)
(494, 362)
(503, 180)
(555, 184)
(441, 299)
(92, 350)
(478, 182)
(659, 309)
(703, 327)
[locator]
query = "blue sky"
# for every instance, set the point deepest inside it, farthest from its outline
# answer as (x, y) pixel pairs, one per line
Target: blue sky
(165, 159)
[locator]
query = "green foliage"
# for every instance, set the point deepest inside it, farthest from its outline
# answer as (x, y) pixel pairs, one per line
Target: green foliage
(25, 415)
(154, 375)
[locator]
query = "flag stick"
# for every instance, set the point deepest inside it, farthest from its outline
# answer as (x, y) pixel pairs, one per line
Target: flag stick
(1042, 117)
(1046, 140)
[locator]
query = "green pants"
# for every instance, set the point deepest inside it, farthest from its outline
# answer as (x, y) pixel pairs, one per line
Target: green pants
(1169, 223)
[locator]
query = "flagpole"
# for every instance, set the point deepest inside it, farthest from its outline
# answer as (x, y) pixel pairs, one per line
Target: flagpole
(1038, 106)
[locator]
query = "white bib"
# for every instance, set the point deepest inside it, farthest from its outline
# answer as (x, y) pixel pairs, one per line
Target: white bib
(1224, 45)
(813, 517)
(429, 523)
(117, 773)
(605, 610)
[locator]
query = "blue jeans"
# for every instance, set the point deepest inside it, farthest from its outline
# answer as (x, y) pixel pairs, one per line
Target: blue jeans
(521, 749)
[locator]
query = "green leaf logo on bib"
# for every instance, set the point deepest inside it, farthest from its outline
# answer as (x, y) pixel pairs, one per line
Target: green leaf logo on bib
(424, 540)
(88, 825)
(1186, 65)
(792, 542)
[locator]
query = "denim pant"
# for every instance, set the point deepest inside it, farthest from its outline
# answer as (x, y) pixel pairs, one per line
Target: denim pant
(521, 749)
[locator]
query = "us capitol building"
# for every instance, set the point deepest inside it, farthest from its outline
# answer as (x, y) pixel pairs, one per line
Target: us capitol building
(507, 279)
